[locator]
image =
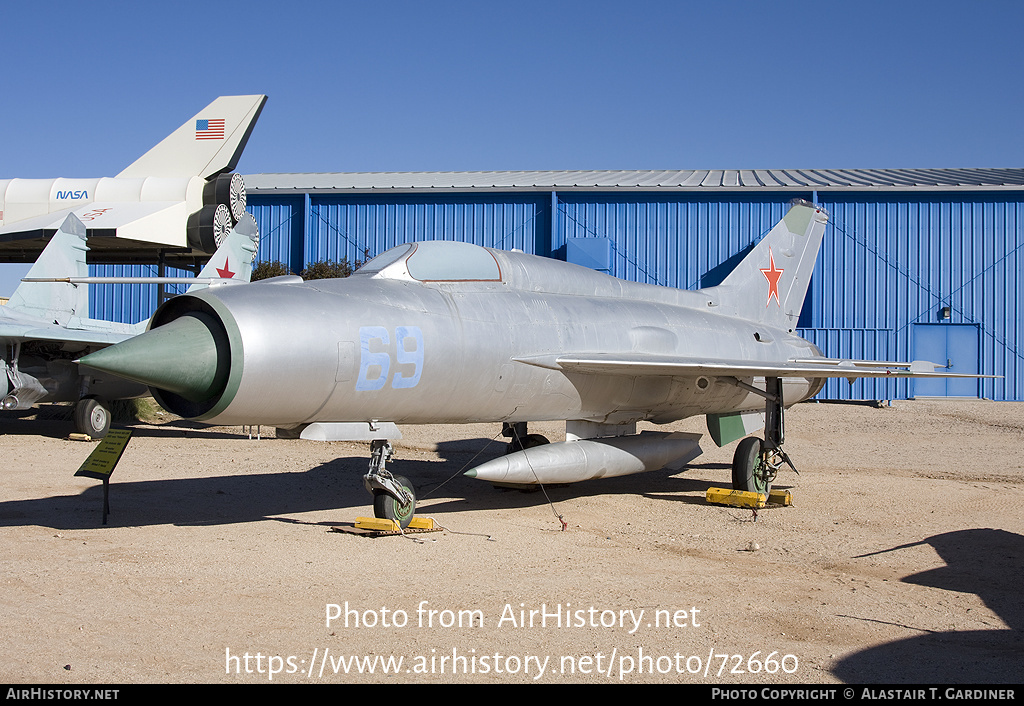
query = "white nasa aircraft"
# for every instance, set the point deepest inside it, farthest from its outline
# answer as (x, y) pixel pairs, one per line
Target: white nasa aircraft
(447, 332)
(44, 325)
(180, 194)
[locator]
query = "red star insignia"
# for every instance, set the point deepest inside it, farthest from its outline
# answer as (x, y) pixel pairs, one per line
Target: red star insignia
(226, 273)
(772, 275)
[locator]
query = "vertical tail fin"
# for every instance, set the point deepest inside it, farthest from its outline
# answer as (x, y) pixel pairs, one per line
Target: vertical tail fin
(233, 259)
(208, 144)
(769, 285)
(63, 256)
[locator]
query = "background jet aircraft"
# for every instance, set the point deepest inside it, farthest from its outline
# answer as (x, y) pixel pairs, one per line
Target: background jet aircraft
(448, 332)
(43, 327)
(180, 194)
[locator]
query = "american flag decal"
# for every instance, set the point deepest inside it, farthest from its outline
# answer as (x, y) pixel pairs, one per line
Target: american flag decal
(210, 129)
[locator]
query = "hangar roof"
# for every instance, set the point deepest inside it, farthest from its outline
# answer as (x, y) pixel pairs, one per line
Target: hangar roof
(643, 180)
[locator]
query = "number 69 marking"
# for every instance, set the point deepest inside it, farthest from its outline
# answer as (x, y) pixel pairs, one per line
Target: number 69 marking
(378, 362)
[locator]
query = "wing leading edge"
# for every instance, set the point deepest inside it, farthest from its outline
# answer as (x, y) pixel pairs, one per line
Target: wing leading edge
(674, 366)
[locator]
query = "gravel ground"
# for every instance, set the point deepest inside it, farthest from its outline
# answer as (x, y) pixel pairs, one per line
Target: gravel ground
(899, 561)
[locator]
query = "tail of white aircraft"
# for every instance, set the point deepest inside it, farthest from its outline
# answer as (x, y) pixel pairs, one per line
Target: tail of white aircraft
(208, 144)
(769, 284)
(180, 194)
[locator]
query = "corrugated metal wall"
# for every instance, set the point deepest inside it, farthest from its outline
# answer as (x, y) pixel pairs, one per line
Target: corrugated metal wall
(675, 241)
(888, 262)
(886, 265)
(129, 303)
(352, 227)
(281, 221)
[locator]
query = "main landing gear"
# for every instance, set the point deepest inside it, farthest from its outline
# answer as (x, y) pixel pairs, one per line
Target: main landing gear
(756, 463)
(92, 417)
(394, 497)
(519, 438)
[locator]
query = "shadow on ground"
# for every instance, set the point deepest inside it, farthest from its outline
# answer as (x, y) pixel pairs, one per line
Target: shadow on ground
(334, 485)
(986, 562)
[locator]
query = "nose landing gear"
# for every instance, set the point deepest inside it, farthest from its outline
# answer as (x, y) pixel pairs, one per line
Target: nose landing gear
(394, 497)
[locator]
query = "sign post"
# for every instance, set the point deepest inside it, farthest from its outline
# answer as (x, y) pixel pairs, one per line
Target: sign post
(103, 459)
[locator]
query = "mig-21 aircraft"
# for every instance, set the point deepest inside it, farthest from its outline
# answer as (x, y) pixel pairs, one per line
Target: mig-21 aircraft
(448, 332)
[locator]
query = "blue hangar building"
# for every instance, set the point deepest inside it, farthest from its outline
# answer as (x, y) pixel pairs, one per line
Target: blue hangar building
(916, 263)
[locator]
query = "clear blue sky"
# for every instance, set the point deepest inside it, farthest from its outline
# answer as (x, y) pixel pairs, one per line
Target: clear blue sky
(429, 86)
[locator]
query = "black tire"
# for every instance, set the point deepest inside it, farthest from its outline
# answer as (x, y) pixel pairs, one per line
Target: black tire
(533, 440)
(92, 417)
(387, 508)
(526, 442)
(747, 468)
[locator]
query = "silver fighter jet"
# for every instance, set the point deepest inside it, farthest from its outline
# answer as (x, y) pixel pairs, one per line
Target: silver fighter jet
(448, 332)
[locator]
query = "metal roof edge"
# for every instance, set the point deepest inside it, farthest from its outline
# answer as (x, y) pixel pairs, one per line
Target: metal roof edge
(693, 181)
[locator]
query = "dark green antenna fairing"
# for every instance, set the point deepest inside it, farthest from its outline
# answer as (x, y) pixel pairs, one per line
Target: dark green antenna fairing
(189, 356)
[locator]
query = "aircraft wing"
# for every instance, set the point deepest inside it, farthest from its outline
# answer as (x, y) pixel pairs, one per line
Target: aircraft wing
(58, 334)
(140, 220)
(34, 226)
(634, 365)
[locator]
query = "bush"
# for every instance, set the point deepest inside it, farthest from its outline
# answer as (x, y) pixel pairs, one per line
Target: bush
(325, 269)
(265, 270)
(328, 269)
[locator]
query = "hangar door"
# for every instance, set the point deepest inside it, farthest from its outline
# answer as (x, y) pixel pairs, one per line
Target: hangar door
(956, 347)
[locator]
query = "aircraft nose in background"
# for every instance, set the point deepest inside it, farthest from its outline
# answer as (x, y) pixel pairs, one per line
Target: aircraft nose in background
(187, 356)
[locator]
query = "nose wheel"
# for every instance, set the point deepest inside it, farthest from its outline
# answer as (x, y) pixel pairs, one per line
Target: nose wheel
(394, 497)
(388, 507)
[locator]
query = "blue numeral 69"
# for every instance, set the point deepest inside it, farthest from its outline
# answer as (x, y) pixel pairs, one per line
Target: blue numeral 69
(375, 357)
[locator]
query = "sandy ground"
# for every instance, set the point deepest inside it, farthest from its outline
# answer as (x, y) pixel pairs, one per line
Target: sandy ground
(900, 561)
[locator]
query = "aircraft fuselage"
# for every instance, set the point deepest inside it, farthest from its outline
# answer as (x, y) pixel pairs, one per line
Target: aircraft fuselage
(397, 349)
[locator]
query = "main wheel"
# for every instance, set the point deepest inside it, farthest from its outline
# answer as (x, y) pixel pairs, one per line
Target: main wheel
(92, 417)
(526, 442)
(387, 508)
(749, 472)
(534, 440)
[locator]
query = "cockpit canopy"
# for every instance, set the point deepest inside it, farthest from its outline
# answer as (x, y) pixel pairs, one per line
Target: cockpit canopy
(435, 261)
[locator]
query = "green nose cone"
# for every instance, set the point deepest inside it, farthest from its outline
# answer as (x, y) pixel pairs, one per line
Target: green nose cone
(188, 356)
